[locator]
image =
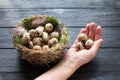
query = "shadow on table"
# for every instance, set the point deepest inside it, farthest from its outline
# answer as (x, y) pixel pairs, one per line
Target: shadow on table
(30, 72)
(85, 72)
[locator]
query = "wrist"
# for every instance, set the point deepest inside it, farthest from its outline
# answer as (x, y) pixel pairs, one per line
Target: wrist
(66, 69)
(72, 63)
(71, 66)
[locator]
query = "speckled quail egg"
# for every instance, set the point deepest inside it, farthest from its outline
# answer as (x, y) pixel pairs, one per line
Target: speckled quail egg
(82, 37)
(79, 46)
(31, 44)
(38, 31)
(36, 47)
(26, 34)
(49, 27)
(32, 32)
(37, 41)
(89, 43)
(54, 34)
(52, 41)
(41, 27)
(56, 46)
(45, 47)
(45, 37)
(26, 38)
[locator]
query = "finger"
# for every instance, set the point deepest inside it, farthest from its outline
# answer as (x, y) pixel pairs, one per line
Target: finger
(98, 33)
(82, 31)
(96, 46)
(92, 30)
(87, 29)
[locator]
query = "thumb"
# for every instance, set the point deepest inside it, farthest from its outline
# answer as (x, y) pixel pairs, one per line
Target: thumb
(96, 45)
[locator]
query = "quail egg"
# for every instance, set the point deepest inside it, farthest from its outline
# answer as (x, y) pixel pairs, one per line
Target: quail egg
(49, 27)
(41, 27)
(37, 41)
(32, 32)
(26, 38)
(54, 34)
(36, 47)
(38, 31)
(89, 43)
(31, 44)
(52, 41)
(79, 46)
(56, 46)
(45, 47)
(45, 37)
(82, 37)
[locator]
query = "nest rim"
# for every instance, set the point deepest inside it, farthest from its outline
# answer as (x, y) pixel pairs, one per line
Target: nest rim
(27, 54)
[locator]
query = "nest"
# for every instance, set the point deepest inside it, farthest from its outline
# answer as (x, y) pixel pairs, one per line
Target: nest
(43, 56)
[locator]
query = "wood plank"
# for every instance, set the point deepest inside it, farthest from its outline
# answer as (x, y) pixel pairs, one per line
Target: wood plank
(106, 60)
(70, 17)
(75, 76)
(110, 36)
(60, 4)
(1, 78)
(19, 76)
(10, 61)
(95, 76)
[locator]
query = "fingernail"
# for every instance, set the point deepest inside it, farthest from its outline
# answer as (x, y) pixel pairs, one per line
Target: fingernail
(92, 22)
(99, 26)
(87, 24)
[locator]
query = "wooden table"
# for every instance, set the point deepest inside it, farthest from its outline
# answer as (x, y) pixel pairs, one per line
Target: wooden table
(75, 14)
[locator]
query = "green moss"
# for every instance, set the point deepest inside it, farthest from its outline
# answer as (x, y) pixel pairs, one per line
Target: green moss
(53, 21)
(64, 37)
(27, 23)
(18, 39)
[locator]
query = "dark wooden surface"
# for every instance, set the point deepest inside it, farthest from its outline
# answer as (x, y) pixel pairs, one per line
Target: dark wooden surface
(75, 14)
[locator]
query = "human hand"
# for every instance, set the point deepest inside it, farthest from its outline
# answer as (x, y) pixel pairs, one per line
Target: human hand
(74, 59)
(81, 57)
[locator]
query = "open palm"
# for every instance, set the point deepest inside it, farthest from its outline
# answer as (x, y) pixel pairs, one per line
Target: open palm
(84, 56)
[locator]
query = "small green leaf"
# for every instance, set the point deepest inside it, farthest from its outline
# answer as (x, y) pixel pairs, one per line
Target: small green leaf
(60, 39)
(18, 39)
(53, 21)
(64, 37)
(64, 33)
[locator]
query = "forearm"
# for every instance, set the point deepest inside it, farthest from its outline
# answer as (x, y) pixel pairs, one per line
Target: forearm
(62, 71)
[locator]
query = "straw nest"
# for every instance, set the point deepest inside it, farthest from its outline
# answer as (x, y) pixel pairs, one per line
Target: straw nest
(31, 49)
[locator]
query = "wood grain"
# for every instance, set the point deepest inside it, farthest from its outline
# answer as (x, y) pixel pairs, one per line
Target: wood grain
(76, 76)
(95, 76)
(106, 60)
(73, 13)
(60, 4)
(70, 17)
(110, 36)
